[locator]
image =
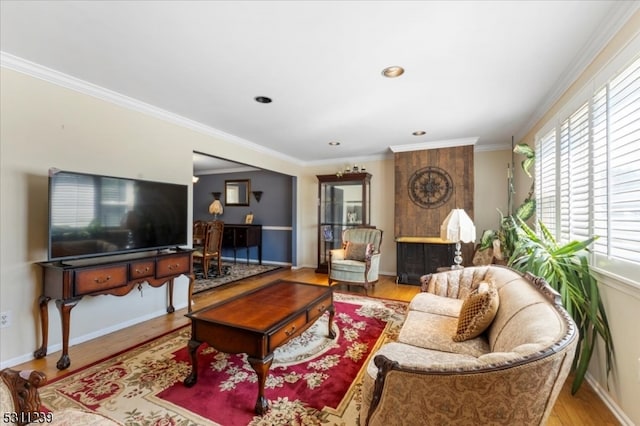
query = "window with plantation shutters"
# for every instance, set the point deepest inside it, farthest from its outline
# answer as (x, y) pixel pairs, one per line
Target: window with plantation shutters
(546, 179)
(617, 181)
(593, 155)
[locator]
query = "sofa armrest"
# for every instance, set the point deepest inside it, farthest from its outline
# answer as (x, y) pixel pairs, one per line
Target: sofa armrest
(22, 387)
(424, 282)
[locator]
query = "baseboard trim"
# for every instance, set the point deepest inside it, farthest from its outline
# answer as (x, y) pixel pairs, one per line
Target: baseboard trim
(56, 347)
(610, 403)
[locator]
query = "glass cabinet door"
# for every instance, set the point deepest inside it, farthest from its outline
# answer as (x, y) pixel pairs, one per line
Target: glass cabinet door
(343, 202)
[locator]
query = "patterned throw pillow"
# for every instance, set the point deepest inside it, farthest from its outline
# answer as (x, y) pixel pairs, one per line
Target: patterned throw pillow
(478, 311)
(358, 251)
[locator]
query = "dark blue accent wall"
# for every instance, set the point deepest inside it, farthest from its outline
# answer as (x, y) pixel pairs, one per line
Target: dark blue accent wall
(275, 209)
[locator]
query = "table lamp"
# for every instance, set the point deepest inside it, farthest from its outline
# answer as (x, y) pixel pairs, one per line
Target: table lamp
(216, 207)
(458, 227)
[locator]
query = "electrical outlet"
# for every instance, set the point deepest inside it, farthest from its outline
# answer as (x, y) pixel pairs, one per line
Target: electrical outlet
(5, 319)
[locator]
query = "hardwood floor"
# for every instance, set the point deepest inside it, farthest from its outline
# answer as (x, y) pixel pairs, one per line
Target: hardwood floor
(584, 409)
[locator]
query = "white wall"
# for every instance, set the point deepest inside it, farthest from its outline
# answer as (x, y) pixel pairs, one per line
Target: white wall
(490, 188)
(621, 299)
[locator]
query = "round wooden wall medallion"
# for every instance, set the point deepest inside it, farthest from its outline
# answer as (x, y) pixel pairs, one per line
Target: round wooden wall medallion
(430, 187)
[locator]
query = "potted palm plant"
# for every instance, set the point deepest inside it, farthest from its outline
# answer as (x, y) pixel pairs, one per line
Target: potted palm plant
(566, 268)
(506, 234)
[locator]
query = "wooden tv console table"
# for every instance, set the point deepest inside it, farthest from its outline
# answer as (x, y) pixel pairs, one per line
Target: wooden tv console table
(68, 282)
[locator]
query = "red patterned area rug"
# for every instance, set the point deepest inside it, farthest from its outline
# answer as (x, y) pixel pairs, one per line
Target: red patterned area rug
(313, 380)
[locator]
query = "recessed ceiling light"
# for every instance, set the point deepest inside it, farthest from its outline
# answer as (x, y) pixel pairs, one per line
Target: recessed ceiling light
(334, 143)
(419, 133)
(263, 99)
(393, 72)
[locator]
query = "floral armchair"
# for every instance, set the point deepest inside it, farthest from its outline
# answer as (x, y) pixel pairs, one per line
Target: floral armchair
(358, 261)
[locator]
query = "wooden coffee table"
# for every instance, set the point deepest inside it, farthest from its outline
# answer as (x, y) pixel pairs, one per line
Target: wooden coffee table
(256, 323)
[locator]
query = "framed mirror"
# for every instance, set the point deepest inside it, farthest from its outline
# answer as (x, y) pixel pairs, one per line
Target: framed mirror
(236, 192)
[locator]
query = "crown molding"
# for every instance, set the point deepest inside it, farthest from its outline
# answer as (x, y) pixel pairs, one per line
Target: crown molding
(32, 69)
(349, 160)
(610, 26)
(242, 169)
(448, 143)
(493, 147)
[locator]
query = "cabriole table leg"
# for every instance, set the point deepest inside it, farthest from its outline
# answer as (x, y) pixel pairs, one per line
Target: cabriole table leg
(44, 322)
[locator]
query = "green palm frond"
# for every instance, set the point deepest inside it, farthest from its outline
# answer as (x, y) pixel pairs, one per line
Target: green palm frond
(530, 157)
(566, 268)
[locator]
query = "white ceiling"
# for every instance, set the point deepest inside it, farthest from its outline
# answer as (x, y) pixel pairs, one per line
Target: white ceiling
(476, 69)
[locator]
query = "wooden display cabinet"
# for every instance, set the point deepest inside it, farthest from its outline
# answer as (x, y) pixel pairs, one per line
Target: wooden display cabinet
(344, 201)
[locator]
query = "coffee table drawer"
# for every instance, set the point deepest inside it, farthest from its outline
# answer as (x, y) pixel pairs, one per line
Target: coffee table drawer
(95, 280)
(292, 328)
(318, 309)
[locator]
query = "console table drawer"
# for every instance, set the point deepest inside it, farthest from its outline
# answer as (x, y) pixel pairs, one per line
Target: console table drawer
(318, 309)
(96, 280)
(142, 269)
(173, 265)
(290, 329)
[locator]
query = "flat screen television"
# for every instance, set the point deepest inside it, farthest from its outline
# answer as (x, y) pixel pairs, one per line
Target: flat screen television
(92, 215)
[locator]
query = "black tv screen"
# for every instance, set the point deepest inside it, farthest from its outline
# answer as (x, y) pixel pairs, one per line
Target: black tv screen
(91, 215)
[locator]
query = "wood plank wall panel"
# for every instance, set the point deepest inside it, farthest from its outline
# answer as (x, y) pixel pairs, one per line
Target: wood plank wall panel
(412, 220)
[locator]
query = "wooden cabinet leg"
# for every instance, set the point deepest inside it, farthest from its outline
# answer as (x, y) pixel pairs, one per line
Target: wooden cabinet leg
(41, 352)
(65, 306)
(261, 366)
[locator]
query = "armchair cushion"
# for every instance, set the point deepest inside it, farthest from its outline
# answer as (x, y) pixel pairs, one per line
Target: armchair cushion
(478, 311)
(358, 251)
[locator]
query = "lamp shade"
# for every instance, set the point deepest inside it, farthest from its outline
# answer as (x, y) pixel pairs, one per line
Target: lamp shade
(215, 208)
(458, 226)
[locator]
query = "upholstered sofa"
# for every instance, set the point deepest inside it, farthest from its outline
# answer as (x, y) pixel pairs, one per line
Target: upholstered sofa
(21, 405)
(511, 373)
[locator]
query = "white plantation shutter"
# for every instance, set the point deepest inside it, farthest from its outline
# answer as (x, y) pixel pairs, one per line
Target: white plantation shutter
(594, 158)
(546, 179)
(600, 171)
(624, 172)
(574, 176)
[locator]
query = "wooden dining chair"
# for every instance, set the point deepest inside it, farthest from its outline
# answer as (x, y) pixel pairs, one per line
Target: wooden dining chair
(199, 227)
(212, 248)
